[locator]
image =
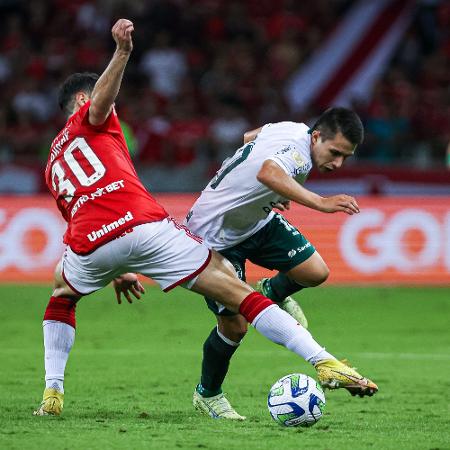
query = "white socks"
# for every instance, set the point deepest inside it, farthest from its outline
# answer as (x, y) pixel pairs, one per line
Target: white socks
(278, 326)
(58, 340)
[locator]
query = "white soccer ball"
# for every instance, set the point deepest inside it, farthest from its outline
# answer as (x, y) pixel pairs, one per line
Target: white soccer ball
(296, 400)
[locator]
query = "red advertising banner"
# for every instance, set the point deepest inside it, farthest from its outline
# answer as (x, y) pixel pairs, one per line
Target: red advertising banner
(394, 240)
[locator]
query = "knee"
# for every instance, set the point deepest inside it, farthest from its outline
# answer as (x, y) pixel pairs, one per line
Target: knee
(235, 334)
(320, 276)
(314, 277)
(234, 328)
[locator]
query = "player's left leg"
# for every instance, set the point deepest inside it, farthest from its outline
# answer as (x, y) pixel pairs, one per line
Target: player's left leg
(218, 349)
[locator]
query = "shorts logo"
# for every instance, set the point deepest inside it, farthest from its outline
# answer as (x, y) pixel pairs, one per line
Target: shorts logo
(105, 229)
(293, 252)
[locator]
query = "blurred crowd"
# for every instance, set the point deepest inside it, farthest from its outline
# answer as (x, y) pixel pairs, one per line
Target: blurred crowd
(201, 74)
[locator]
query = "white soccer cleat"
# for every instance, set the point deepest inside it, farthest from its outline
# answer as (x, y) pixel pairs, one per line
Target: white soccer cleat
(217, 407)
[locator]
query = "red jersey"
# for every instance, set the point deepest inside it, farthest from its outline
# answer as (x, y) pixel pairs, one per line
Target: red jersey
(90, 174)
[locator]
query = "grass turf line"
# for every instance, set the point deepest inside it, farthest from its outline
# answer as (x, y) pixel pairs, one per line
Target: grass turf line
(133, 368)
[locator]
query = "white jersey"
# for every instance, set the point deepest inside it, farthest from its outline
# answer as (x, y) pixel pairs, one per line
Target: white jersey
(235, 205)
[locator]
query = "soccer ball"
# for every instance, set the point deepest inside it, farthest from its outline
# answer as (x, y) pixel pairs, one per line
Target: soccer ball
(296, 400)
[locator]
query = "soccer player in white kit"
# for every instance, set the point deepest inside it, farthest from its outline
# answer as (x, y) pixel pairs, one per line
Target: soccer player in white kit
(234, 215)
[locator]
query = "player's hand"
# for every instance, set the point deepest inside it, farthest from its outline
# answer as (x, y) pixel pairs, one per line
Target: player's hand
(283, 206)
(121, 32)
(337, 203)
(128, 284)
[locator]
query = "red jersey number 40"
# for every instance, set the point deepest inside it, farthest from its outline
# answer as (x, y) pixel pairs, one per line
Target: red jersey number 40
(61, 181)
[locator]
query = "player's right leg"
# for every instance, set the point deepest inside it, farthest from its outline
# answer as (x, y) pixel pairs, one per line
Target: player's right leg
(306, 273)
(75, 276)
(218, 280)
(59, 335)
(280, 245)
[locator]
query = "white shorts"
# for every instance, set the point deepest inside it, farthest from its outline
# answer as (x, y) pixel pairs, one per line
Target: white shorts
(164, 251)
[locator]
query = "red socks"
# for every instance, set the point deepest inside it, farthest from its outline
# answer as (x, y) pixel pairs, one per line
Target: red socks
(61, 310)
(253, 304)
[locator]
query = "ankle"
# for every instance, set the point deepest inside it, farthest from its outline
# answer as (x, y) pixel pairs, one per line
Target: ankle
(321, 356)
(55, 383)
(207, 392)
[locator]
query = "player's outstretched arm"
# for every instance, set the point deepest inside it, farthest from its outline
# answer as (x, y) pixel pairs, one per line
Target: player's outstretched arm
(276, 179)
(108, 85)
(127, 284)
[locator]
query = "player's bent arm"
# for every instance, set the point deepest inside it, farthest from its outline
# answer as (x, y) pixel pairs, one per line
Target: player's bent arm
(107, 87)
(276, 179)
(251, 135)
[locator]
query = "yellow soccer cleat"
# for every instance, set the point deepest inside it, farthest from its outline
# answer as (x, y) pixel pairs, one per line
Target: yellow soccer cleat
(217, 407)
(334, 374)
(52, 403)
(288, 304)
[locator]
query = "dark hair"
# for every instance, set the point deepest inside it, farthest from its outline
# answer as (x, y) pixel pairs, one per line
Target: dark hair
(76, 82)
(335, 120)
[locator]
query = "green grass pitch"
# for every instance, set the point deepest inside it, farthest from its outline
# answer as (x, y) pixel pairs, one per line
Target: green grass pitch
(133, 368)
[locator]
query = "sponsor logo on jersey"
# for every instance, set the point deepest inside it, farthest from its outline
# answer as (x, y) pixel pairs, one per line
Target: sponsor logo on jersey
(111, 187)
(268, 208)
(298, 159)
(105, 229)
(303, 167)
(284, 150)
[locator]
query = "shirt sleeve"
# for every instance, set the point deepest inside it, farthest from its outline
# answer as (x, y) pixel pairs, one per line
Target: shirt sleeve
(84, 119)
(291, 161)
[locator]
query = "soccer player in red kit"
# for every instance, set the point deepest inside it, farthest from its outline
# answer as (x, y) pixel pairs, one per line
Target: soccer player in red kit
(116, 229)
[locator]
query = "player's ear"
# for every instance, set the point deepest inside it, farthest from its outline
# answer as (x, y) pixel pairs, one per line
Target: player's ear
(315, 135)
(81, 98)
